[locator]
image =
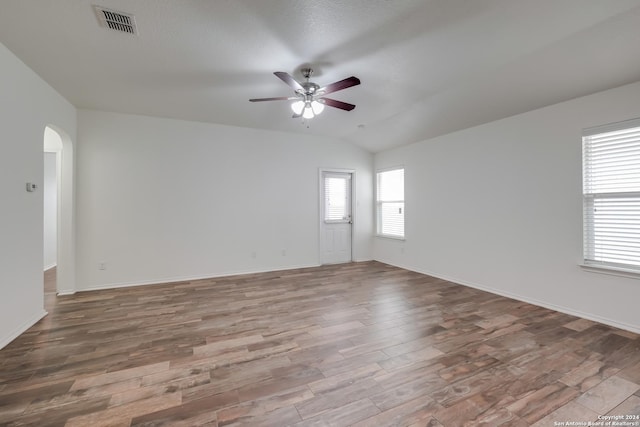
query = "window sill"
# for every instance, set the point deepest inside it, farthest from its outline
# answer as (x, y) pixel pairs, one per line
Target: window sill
(611, 271)
(385, 236)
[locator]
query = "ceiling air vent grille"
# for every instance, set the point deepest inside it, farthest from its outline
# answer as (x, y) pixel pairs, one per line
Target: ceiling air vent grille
(117, 21)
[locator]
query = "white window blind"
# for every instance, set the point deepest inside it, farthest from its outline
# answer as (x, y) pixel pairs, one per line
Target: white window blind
(611, 195)
(390, 203)
(336, 200)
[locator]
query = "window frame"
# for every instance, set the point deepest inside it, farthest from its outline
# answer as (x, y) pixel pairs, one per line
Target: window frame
(589, 200)
(348, 209)
(380, 203)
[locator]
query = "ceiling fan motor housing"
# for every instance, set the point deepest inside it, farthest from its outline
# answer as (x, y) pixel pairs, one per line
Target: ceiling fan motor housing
(310, 88)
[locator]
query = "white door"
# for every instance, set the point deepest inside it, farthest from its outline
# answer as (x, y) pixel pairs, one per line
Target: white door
(336, 220)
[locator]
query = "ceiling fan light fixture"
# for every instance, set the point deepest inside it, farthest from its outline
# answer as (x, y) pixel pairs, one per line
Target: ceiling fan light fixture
(297, 107)
(317, 107)
(308, 111)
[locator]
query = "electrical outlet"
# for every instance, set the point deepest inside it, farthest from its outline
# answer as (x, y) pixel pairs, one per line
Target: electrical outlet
(283, 252)
(254, 255)
(102, 265)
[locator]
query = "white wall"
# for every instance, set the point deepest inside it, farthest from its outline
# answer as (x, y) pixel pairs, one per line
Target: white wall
(50, 196)
(162, 200)
(27, 106)
(499, 207)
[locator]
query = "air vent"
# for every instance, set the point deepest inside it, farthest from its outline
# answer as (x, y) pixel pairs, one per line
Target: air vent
(117, 21)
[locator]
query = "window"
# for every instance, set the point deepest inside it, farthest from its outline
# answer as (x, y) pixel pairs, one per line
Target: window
(336, 197)
(390, 203)
(611, 195)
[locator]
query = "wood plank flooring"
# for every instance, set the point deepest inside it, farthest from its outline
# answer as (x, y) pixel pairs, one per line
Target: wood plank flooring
(362, 344)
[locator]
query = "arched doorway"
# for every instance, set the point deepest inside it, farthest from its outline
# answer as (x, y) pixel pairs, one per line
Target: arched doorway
(58, 231)
(51, 190)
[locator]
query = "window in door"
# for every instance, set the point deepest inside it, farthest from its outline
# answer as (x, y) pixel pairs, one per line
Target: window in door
(336, 198)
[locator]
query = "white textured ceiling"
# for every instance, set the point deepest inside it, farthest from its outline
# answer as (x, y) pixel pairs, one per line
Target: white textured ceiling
(428, 67)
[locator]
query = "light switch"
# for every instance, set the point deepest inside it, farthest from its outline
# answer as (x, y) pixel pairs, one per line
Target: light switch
(31, 187)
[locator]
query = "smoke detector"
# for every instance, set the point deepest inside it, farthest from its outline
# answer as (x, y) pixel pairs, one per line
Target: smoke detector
(117, 21)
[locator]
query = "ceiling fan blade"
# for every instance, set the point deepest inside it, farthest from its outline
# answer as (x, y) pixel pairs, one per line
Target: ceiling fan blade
(279, 98)
(342, 84)
(338, 104)
(286, 77)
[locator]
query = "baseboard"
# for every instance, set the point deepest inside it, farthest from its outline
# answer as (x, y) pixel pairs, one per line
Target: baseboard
(188, 278)
(363, 259)
(21, 329)
(566, 310)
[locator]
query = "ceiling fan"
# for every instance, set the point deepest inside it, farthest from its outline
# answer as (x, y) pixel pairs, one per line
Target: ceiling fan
(310, 97)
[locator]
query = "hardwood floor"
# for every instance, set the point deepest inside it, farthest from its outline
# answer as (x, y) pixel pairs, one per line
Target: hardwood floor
(362, 344)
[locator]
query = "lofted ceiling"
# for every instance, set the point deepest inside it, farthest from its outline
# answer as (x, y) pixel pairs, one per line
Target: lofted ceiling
(428, 67)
